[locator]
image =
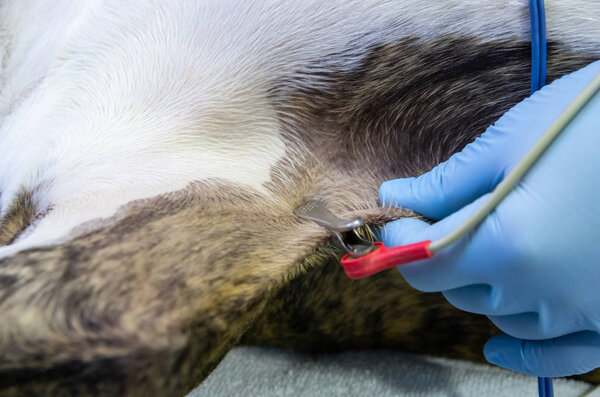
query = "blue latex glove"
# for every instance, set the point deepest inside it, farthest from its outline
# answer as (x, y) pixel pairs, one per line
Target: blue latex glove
(533, 265)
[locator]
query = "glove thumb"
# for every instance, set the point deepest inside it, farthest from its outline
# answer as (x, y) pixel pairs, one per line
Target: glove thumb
(451, 185)
(568, 355)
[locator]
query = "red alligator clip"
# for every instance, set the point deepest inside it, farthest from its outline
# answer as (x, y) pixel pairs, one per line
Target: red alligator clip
(382, 258)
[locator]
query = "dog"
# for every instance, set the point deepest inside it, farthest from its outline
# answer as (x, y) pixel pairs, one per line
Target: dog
(152, 155)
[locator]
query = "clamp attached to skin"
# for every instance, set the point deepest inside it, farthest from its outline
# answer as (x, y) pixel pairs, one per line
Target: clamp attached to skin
(343, 229)
(363, 257)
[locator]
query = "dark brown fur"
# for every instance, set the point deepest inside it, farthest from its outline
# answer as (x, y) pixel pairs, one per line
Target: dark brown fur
(17, 218)
(150, 304)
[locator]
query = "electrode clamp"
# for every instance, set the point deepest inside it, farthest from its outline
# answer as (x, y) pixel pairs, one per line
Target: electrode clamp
(363, 257)
(343, 229)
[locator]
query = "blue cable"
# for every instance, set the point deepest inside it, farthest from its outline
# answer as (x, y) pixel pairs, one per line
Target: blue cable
(538, 44)
(545, 387)
(538, 80)
(543, 43)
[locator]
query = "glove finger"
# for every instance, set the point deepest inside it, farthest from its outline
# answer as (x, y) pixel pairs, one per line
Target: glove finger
(524, 325)
(449, 186)
(448, 269)
(465, 270)
(403, 231)
(475, 298)
(538, 323)
(568, 355)
(483, 299)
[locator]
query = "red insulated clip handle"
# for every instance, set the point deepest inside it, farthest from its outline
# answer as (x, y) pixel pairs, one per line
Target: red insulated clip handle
(382, 258)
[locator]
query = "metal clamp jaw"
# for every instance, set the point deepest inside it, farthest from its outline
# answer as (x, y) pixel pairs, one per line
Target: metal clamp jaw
(364, 258)
(343, 229)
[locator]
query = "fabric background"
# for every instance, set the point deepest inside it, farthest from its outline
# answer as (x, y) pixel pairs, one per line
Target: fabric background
(266, 371)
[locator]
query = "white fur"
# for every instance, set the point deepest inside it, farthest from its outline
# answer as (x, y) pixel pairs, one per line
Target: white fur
(108, 101)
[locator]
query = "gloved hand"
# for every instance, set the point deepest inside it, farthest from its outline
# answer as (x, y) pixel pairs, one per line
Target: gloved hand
(533, 265)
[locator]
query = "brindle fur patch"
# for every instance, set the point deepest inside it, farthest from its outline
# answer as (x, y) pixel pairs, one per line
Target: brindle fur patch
(379, 312)
(149, 305)
(19, 215)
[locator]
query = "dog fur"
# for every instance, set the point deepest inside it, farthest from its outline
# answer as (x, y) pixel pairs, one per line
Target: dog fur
(152, 154)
